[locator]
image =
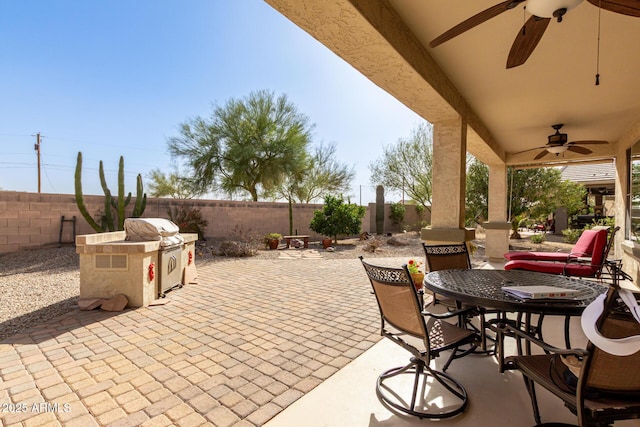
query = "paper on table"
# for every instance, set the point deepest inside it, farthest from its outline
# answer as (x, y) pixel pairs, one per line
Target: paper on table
(540, 292)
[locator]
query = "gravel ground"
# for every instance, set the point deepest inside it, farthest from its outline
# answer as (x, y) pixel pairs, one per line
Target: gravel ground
(38, 285)
(35, 286)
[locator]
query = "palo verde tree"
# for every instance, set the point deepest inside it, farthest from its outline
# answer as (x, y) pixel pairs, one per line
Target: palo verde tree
(406, 166)
(171, 185)
(247, 146)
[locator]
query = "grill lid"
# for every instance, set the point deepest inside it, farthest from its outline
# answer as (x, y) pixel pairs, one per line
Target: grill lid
(152, 229)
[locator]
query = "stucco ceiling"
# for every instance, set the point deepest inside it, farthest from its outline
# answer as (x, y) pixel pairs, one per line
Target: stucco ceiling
(555, 85)
(508, 110)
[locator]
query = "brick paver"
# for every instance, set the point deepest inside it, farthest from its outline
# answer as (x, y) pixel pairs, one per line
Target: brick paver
(235, 349)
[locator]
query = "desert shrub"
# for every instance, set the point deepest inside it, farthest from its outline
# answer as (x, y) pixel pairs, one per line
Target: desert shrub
(240, 243)
(373, 244)
(188, 219)
(571, 235)
(537, 238)
(397, 213)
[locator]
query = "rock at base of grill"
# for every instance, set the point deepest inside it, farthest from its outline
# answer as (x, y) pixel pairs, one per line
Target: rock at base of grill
(117, 303)
(88, 304)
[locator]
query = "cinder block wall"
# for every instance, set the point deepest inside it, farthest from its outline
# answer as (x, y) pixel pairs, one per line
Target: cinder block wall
(32, 220)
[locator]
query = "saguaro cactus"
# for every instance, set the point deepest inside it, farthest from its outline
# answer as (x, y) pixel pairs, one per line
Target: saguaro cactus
(119, 204)
(379, 209)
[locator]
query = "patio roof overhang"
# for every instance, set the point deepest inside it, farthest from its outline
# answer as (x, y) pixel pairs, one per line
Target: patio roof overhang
(506, 110)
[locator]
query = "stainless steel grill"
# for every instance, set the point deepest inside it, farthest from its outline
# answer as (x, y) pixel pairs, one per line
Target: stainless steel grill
(170, 252)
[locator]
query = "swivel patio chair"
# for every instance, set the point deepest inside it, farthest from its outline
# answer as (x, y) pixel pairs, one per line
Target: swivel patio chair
(597, 386)
(425, 335)
(455, 256)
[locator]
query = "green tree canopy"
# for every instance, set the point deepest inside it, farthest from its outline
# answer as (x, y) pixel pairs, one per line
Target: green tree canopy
(171, 185)
(532, 192)
(247, 146)
(406, 166)
(337, 218)
(323, 175)
(477, 191)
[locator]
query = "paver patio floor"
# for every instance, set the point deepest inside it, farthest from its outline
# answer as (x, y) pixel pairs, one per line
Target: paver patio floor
(235, 349)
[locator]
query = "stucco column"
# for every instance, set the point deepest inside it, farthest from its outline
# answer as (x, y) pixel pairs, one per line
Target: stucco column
(497, 227)
(448, 184)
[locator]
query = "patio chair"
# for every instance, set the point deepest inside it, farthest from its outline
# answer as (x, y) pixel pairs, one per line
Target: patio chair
(425, 335)
(446, 257)
(595, 385)
(582, 248)
(577, 266)
(455, 256)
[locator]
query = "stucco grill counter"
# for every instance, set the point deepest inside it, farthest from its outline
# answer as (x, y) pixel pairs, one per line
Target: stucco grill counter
(143, 262)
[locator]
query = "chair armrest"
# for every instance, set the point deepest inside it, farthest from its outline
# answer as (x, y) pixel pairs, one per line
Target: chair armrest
(579, 257)
(508, 329)
(449, 314)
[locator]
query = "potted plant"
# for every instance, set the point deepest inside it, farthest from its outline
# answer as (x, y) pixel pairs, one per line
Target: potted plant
(326, 242)
(272, 240)
(416, 274)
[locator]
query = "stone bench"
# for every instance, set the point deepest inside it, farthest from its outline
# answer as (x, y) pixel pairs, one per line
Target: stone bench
(305, 239)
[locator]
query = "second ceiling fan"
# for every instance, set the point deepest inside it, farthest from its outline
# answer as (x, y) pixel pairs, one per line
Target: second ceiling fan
(558, 143)
(542, 11)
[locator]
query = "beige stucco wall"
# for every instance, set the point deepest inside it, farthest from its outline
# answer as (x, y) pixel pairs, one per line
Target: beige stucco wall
(32, 220)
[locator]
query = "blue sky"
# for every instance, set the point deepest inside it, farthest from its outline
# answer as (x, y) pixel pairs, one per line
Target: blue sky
(112, 78)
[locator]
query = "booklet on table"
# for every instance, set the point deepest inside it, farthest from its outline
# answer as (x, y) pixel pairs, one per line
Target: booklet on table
(540, 292)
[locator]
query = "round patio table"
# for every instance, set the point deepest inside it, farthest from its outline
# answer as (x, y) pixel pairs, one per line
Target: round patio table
(483, 288)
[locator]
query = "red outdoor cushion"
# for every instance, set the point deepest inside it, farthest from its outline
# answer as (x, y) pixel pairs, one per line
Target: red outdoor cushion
(569, 269)
(584, 247)
(537, 256)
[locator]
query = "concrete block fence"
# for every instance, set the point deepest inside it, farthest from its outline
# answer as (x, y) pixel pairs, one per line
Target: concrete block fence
(32, 220)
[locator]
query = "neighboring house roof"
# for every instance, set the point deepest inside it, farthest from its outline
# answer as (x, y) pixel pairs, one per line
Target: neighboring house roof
(590, 174)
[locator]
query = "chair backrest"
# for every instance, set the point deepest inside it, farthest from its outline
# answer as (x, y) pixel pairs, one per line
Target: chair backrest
(609, 244)
(584, 245)
(599, 247)
(607, 372)
(602, 246)
(397, 300)
(447, 256)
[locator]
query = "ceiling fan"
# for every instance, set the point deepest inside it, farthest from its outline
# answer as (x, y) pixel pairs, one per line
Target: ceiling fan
(542, 12)
(557, 143)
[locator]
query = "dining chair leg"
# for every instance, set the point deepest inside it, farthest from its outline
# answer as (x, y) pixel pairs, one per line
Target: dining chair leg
(567, 324)
(531, 389)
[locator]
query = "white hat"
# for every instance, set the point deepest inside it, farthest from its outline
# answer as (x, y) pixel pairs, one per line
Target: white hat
(618, 347)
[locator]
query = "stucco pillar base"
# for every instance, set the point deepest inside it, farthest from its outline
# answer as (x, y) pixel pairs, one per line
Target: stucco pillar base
(447, 235)
(497, 240)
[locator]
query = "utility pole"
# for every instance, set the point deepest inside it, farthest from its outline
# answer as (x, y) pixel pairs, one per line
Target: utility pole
(37, 148)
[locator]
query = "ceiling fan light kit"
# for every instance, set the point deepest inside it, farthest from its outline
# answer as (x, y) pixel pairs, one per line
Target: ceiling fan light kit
(557, 149)
(551, 8)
